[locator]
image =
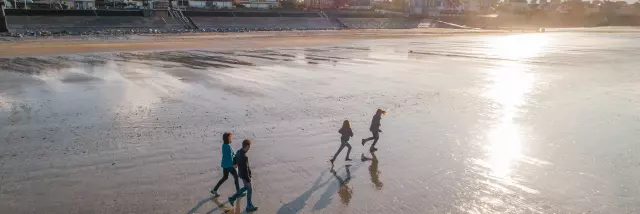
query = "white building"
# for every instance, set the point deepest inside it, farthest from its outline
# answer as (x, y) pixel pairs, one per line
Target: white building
(262, 4)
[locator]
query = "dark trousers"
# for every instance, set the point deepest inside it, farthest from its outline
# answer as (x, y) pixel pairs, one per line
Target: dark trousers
(225, 175)
(246, 188)
(376, 136)
(345, 143)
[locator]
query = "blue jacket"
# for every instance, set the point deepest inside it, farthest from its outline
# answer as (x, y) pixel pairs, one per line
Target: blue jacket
(227, 156)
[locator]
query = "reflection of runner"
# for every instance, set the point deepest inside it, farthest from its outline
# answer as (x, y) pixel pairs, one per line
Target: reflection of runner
(227, 164)
(375, 129)
(345, 191)
(373, 170)
(346, 134)
(244, 172)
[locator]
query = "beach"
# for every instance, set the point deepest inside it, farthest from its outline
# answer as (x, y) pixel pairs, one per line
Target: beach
(477, 122)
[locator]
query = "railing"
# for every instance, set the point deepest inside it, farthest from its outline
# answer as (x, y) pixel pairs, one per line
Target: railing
(180, 17)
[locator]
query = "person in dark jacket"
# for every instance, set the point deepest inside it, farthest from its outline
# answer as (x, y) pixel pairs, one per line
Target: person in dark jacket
(227, 164)
(375, 129)
(244, 172)
(346, 134)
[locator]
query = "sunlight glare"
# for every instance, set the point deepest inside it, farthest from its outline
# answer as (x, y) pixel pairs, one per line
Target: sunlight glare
(521, 46)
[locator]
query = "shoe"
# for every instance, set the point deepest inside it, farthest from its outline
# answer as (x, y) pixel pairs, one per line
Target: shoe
(364, 141)
(232, 200)
(348, 159)
(251, 209)
(215, 194)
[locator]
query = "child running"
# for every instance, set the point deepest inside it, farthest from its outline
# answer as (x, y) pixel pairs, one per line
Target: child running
(244, 172)
(375, 129)
(227, 164)
(346, 134)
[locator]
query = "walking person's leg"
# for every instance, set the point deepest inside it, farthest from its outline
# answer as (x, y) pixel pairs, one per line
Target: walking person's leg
(233, 198)
(338, 152)
(367, 139)
(376, 136)
(247, 184)
(234, 173)
(346, 143)
(225, 175)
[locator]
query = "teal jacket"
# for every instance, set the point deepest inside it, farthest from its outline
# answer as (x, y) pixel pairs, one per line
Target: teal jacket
(227, 156)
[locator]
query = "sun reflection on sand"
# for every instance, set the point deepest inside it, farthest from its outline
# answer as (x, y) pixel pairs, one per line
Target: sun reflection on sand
(509, 83)
(516, 47)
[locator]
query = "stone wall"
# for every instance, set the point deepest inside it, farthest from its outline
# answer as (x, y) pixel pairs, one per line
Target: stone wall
(380, 23)
(264, 23)
(21, 24)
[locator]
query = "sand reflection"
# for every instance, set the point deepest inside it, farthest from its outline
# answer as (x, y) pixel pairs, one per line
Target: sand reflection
(509, 83)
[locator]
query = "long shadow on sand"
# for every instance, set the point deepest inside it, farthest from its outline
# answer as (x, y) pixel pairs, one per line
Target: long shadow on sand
(297, 204)
(373, 170)
(341, 187)
(200, 203)
(222, 206)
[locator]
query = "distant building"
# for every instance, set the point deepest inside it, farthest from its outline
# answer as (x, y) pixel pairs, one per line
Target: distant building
(442, 7)
(360, 4)
(591, 8)
(187, 3)
(211, 4)
(262, 4)
(319, 4)
(518, 5)
(58, 4)
(625, 9)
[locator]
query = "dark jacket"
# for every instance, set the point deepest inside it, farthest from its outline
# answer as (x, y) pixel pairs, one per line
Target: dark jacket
(375, 123)
(346, 134)
(244, 171)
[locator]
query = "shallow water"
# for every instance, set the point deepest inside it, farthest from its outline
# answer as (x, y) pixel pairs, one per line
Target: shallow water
(530, 123)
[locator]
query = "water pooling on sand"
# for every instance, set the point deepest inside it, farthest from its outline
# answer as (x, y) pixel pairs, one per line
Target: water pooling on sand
(531, 123)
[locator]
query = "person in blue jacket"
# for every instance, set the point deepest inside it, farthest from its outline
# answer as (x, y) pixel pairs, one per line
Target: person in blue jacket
(228, 164)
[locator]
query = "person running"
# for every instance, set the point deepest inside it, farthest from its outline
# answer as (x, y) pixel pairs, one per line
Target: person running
(375, 129)
(244, 172)
(346, 134)
(227, 164)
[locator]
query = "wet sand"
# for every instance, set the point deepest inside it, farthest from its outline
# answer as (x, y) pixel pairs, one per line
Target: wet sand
(493, 123)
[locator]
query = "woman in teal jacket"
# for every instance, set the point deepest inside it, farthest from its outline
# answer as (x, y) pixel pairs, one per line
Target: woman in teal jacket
(227, 164)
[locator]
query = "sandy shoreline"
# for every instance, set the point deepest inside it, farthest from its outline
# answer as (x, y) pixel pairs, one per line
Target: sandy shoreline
(78, 44)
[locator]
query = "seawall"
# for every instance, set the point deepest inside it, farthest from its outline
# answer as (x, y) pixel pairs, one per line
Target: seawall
(35, 22)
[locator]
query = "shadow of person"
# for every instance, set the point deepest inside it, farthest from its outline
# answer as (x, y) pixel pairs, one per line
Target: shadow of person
(298, 204)
(222, 206)
(373, 170)
(344, 191)
(200, 203)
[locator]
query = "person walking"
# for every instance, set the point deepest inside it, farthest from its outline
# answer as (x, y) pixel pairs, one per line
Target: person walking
(346, 133)
(227, 164)
(375, 129)
(244, 172)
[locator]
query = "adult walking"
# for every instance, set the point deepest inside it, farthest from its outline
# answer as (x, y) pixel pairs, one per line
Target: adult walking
(375, 129)
(346, 133)
(227, 163)
(245, 173)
